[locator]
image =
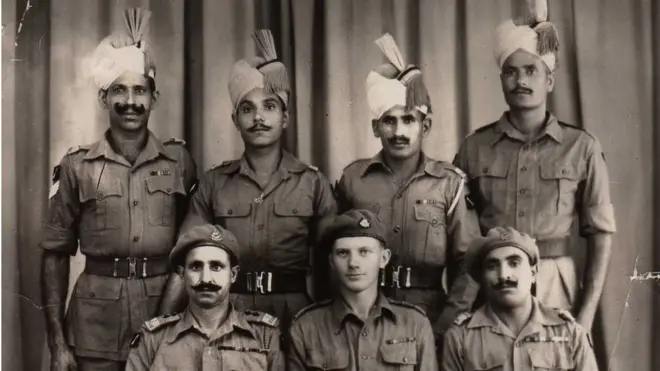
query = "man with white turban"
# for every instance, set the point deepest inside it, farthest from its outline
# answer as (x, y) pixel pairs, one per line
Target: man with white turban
(270, 200)
(420, 199)
(121, 200)
(532, 172)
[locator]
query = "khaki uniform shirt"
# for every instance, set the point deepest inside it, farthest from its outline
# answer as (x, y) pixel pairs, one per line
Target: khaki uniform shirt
(537, 187)
(430, 225)
(328, 336)
(112, 209)
(245, 341)
(549, 341)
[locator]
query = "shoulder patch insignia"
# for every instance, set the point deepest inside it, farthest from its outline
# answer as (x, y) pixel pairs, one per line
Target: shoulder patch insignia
(158, 322)
(462, 318)
(56, 174)
(407, 305)
(485, 127)
(261, 317)
(313, 168)
(175, 141)
(565, 315)
(311, 307)
(136, 340)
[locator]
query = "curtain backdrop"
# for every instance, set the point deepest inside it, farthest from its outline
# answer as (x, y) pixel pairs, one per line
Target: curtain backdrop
(607, 83)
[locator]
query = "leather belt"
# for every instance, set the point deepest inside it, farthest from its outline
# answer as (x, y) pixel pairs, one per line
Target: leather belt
(131, 267)
(554, 248)
(411, 277)
(269, 282)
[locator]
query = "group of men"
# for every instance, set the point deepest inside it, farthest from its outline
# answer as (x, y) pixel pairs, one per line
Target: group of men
(214, 273)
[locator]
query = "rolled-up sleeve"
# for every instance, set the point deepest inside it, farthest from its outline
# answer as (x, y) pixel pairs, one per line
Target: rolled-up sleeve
(595, 206)
(60, 227)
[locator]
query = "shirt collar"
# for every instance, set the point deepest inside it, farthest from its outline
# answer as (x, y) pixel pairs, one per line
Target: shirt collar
(541, 316)
(152, 149)
(235, 320)
(378, 162)
(505, 127)
(341, 311)
(288, 164)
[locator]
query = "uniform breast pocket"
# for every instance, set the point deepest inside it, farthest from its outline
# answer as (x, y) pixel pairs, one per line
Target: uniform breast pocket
(401, 356)
(559, 183)
(292, 217)
(495, 363)
(491, 178)
(326, 360)
(243, 361)
(102, 205)
(161, 197)
(96, 314)
(551, 359)
(234, 216)
(430, 232)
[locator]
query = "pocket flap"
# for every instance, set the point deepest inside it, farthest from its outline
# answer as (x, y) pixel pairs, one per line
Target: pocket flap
(559, 171)
(296, 208)
(98, 288)
(166, 184)
(497, 169)
(326, 360)
(429, 213)
(400, 353)
(556, 358)
(154, 285)
(233, 210)
(106, 188)
(488, 362)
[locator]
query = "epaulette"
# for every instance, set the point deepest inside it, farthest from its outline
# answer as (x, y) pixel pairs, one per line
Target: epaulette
(462, 318)
(486, 127)
(407, 305)
(261, 317)
(175, 141)
(223, 164)
(353, 163)
(76, 149)
(456, 169)
(160, 321)
(310, 307)
(565, 315)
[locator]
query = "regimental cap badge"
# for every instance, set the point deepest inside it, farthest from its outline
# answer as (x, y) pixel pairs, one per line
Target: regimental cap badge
(505, 235)
(216, 236)
(364, 223)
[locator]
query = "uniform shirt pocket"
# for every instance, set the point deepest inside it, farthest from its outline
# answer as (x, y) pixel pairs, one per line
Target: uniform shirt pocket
(234, 216)
(549, 359)
(491, 177)
(162, 192)
(291, 219)
(430, 232)
(326, 360)
(153, 287)
(400, 356)
(102, 204)
(485, 362)
(248, 360)
(559, 183)
(96, 313)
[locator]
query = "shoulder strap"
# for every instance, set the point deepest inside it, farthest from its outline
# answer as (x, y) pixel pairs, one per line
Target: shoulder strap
(160, 321)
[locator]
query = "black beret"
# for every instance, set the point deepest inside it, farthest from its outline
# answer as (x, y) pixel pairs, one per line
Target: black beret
(495, 238)
(204, 235)
(354, 223)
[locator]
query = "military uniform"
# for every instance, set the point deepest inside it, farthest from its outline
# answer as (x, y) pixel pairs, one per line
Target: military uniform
(275, 227)
(125, 219)
(551, 340)
(537, 188)
(430, 228)
(328, 336)
(245, 341)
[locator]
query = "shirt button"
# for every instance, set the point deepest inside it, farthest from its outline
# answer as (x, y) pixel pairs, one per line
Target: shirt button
(397, 229)
(136, 238)
(325, 365)
(405, 359)
(169, 190)
(295, 211)
(399, 195)
(434, 221)
(260, 227)
(485, 170)
(524, 168)
(99, 195)
(563, 171)
(521, 214)
(364, 356)
(522, 191)
(135, 203)
(230, 211)
(364, 333)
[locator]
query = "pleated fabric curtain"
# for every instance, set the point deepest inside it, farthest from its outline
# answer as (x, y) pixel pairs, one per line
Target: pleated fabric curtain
(607, 83)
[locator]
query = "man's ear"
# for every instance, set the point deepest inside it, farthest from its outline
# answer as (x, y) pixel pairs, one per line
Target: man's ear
(285, 118)
(103, 98)
(551, 80)
(155, 99)
(234, 273)
(535, 271)
(385, 256)
(234, 119)
(427, 123)
(374, 127)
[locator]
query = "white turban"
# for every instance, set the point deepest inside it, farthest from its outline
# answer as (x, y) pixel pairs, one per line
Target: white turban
(383, 94)
(265, 72)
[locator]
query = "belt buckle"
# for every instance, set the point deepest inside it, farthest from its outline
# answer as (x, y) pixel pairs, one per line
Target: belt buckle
(132, 268)
(395, 277)
(260, 281)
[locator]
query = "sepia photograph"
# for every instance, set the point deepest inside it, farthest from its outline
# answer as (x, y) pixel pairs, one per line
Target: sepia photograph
(424, 185)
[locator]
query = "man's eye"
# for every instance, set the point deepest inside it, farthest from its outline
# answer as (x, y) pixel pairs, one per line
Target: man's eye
(514, 263)
(140, 90)
(342, 253)
(532, 71)
(508, 73)
(246, 109)
(270, 107)
(117, 89)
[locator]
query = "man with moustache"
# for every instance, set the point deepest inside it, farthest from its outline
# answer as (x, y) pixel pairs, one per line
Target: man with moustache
(513, 330)
(421, 199)
(530, 171)
(360, 329)
(270, 200)
(210, 334)
(121, 199)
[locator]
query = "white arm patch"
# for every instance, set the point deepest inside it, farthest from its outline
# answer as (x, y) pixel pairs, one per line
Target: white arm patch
(459, 194)
(54, 189)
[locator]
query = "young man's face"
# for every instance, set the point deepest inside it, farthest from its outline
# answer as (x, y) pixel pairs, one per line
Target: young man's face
(357, 261)
(526, 80)
(129, 101)
(208, 275)
(508, 276)
(260, 117)
(401, 132)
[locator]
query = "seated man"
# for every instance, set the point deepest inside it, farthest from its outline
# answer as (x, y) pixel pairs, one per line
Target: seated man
(513, 330)
(210, 334)
(360, 329)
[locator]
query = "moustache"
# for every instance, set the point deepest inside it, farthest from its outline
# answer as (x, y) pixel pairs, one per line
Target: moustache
(505, 284)
(522, 90)
(258, 127)
(124, 108)
(206, 287)
(398, 140)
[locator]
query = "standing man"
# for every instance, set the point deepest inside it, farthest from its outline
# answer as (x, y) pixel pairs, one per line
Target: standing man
(513, 331)
(210, 335)
(119, 199)
(269, 199)
(420, 199)
(530, 171)
(360, 329)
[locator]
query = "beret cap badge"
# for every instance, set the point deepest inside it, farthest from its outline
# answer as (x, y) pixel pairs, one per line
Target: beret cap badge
(504, 236)
(216, 236)
(364, 223)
